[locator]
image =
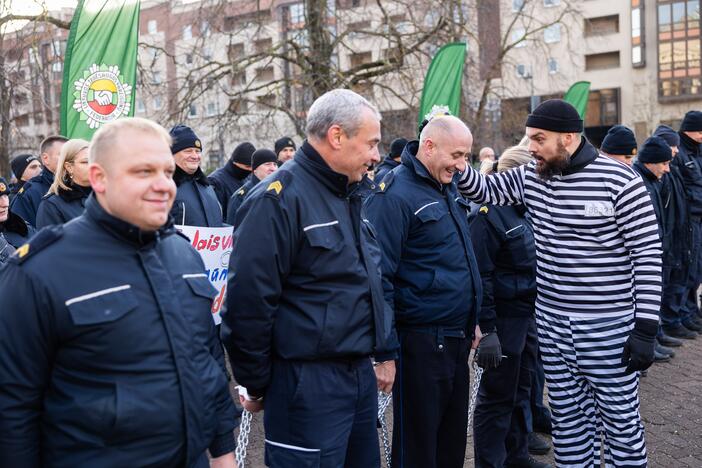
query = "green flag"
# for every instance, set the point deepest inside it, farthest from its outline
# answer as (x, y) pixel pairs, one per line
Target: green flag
(577, 95)
(442, 85)
(99, 71)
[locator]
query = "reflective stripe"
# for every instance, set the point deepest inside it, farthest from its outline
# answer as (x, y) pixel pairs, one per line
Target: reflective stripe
(195, 275)
(517, 227)
(315, 226)
(428, 204)
(85, 297)
(291, 447)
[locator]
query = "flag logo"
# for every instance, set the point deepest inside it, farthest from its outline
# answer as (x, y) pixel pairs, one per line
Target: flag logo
(101, 95)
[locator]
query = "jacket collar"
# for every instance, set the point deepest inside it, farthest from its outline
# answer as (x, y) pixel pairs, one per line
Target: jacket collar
(180, 176)
(123, 230)
(690, 144)
(584, 155)
(409, 159)
(75, 192)
(235, 171)
(310, 160)
(14, 223)
(45, 177)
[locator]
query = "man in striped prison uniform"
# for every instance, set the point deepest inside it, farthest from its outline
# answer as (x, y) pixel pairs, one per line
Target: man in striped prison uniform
(598, 280)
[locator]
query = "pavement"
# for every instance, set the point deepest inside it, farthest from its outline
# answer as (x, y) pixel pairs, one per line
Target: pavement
(671, 408)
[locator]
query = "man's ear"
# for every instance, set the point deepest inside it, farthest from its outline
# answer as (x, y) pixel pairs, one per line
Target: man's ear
(334, 135)
(97, 177)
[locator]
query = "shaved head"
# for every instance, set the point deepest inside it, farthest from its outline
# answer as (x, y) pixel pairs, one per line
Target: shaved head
(444, 127)
(444, 145)
(109, 140)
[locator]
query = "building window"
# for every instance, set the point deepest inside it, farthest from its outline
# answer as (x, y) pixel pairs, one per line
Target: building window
(679, 60)
(552, 33)
(152, 27)
(518, 34)
(297, 14)
(602, 61)
(638, 40)
(211, 109)
(188, 59)
(550, 3)
(266, 101)
(187, 32)
(552, 66)
(235, 52)
(602, 25)
(263, 45)
(192, 111)
(602, 108)
(238, 106)
(140, 106)
(239, 78)
(158, 103)
(205, 29)
(156, 78)
(517, 5)
(360, 58)
(265, 74)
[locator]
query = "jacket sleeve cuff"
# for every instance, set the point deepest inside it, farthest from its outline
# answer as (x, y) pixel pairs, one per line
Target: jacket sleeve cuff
(646, 327)
(486, 325)
(256, 392)
(223, 444)
(385, 356)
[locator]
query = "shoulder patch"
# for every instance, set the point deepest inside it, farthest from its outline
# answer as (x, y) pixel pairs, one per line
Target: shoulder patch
(281, 180)
(483, 209)
(241, 191)
(386, 182)
(41, 240)
(21, 190)
(275, 186)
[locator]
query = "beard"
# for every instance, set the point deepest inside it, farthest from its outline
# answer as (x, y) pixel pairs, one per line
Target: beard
(547, 169)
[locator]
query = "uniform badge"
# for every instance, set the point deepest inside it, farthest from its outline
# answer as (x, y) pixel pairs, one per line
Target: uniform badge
(198, 144)
(483, 209)
(382, 186)
(3, 187)
(22, 250)
(276, 186)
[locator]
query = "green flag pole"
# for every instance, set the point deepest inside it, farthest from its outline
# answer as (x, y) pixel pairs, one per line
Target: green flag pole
(578, 95)
(99, 70)
(442, 85)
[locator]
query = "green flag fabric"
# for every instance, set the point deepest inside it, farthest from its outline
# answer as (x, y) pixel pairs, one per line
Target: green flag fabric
(99, 72)
(442, 85)
(577, 95)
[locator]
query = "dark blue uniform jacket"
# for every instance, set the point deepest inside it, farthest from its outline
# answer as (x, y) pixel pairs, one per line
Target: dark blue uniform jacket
(304, 276)
(26, 202)
(654, 187)
(110, 356)
(676, 218)
(13, 233)
(430, 277)
(61, 208)
(387, 165)
(238, 197)
(227, 180)
(504, 246)
(690, 166)
(196, 203)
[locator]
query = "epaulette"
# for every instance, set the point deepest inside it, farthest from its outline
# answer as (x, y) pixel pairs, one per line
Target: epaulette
(386, 182)
(241, 191)
(280, 181)
(40, 241)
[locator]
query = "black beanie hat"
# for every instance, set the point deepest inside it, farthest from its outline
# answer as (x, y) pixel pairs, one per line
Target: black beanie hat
(4, 188)
(668, 134)
(655, 150)
(692, 122)
(20, 163)
(556, 115)
(396, 147)
(262, 156)
(282, 143)
(619, 140)
(183, 138)
(242, 153)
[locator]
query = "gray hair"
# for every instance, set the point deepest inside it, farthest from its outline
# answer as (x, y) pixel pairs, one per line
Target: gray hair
(340, 107)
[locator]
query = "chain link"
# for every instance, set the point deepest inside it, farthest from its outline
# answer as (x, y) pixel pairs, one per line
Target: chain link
(384, 400)
(243, 440)
(478, 372)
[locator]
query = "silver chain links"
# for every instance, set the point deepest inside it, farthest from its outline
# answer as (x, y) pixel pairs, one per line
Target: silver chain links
(384, 400)
(478, 372)
(243, 440)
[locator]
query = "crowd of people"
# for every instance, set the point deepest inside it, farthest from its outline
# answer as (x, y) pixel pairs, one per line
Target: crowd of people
(557, 261)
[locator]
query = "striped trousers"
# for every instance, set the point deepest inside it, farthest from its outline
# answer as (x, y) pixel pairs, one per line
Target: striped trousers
(594, 402)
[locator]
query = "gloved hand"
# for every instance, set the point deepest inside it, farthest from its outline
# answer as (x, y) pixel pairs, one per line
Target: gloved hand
(489, 352)
(639, 347)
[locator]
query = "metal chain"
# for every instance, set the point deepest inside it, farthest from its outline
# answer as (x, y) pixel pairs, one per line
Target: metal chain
(478, 372)
(243, 440)
(384, 400)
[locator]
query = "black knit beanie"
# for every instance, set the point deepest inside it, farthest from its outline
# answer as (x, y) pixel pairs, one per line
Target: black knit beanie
(262, 156)
(556, 115)
(692, 122)
(396, 147)
(183, 138)
(655, 150)
(619, 140)
(668, 134)
(242, 153)
(19, 164)
(282, 143)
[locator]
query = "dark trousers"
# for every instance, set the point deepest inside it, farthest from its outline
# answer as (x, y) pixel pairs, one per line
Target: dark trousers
(430, 401)
(675, 293)
(322, 414)
(689, 308)
(500, 431)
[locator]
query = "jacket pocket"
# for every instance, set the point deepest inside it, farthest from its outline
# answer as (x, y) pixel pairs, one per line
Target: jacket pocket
(279, 454)
(324, 235)
(432, 211)
(329, 339)
(105, 305)
(200, 285)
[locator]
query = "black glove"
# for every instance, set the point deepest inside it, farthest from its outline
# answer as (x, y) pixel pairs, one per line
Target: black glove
(489, 352)
(639, 347)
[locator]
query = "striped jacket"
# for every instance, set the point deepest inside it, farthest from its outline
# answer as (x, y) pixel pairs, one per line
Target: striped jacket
(597, 243)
